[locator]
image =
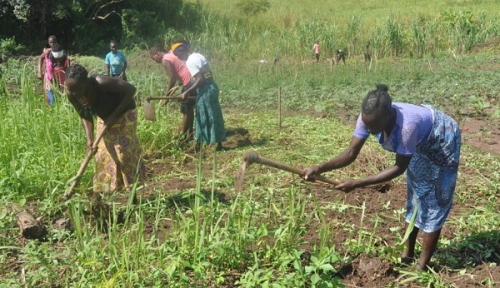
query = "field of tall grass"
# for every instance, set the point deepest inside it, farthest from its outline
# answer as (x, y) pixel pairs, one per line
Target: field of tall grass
(393, 28)
(192, 229)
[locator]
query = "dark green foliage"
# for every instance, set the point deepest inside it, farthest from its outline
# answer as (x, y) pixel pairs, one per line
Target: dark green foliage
(87, 26)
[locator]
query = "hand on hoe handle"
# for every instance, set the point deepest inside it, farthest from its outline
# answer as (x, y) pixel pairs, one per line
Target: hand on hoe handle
(346, 185)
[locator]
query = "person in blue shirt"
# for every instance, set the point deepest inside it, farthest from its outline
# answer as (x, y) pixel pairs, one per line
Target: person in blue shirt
(116, 63)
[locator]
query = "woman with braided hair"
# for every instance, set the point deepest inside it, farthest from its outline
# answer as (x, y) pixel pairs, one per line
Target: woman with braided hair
(118, 156)
(427, 145)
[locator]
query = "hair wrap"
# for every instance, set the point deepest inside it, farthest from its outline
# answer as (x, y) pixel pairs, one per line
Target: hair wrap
(180, 47)
(176, 45)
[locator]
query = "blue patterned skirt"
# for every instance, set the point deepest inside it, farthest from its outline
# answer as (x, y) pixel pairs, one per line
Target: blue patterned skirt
(432, 174)
(209, 121)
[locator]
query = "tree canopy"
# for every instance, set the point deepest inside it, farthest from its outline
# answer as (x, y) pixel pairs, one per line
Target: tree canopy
(86, 26)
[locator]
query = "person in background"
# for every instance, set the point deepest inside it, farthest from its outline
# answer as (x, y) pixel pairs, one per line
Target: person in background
(427, 145)
(209, 120)
(118, 156)
(367, 52)
(177, 72)
(340, 56)
(316, 50)
(44, 57)
(116, 63)
(55, 72)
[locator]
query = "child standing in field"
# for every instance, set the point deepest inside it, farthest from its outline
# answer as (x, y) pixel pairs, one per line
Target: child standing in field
(427, 145)
(316, 51)
(55, 72)
(116, 63)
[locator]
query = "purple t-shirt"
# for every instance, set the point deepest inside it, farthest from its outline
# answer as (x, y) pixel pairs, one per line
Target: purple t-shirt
(412, 128)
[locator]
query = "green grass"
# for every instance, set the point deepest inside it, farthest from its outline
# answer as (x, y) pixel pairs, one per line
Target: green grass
(393, 28)
(343, 11)
(207, 235)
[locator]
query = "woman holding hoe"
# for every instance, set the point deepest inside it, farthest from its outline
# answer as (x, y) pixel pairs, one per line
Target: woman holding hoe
(118, 156)
(427, 144)
(209, 122)
(177, 72)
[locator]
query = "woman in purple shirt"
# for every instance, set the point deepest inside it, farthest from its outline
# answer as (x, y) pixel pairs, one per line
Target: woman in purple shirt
(427, 144)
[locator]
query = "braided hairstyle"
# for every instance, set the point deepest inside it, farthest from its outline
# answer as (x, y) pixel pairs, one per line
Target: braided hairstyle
(377, 102)
(77, 72)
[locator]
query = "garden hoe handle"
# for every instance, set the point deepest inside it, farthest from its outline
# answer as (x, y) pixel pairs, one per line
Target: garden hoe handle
(85, 162)
(167, 98)
(252, 157)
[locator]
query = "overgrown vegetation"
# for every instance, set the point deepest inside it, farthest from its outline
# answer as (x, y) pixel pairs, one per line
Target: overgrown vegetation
(279, 232)
(191, 229)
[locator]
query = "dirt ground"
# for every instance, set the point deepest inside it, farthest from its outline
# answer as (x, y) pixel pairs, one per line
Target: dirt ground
(367, 270)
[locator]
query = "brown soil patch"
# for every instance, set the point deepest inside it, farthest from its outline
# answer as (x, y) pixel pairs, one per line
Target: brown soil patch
(483, 135)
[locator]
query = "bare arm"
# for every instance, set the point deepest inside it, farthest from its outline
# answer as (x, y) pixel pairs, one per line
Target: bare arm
(40, 65)
(387, 174)
(88, 127)
(345, 158)
(169, 68)
(198, 80)
(123, 88)
(107, 70)
(87, 121)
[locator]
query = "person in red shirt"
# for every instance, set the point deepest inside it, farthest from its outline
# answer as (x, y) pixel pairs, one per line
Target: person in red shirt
(177, 72)
(316, 51)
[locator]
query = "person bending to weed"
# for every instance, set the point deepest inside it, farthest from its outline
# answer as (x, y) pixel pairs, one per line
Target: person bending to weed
(209, 120)
(177, 72)
(118, 157)
(55, 72)
(427, 144)
(116, 62)
(340, 56)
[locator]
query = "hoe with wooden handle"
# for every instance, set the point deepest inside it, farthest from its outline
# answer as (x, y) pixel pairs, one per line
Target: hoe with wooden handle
(149, 109)
(250, 157)
(85, 162)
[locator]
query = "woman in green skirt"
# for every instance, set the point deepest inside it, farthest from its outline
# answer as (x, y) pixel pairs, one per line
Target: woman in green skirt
(209, 121)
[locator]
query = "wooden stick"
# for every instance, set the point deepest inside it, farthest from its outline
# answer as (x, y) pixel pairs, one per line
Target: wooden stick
(85, 162)
(250, 157)
(167, 98)
(253, 157)
(279, 108)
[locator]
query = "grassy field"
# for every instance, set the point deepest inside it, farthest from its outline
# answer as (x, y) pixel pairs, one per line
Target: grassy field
(342, 11)
(393, 28)
(192, 229)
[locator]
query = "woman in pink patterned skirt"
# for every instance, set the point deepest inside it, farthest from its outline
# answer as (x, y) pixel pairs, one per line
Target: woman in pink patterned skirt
(118, 157)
